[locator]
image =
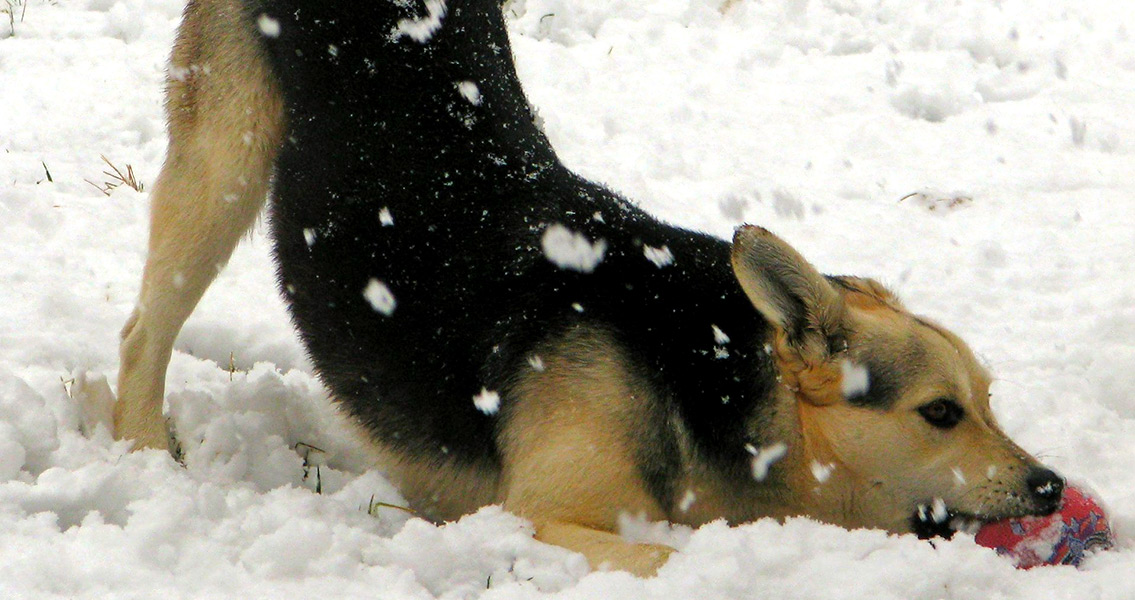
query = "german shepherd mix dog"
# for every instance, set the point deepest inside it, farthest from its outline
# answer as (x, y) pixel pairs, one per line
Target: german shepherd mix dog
(507, 332)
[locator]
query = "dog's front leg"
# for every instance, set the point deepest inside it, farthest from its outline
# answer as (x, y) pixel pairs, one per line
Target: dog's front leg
(574, 436)
(605, 550)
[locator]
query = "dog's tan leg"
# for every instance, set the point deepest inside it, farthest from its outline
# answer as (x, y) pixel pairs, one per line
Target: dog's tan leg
(605, 550)
(569, 451)
(225, 126)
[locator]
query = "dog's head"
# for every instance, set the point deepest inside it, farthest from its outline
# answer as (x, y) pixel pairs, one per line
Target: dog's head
(889, 412)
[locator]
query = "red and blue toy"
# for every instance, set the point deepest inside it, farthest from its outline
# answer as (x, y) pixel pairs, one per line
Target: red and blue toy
(1065, 537)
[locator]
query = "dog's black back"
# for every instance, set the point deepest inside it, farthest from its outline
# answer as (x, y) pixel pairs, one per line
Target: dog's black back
(377, 120)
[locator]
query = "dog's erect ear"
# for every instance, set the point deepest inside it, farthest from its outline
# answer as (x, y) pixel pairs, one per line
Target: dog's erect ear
(802, 306)
(784, 287)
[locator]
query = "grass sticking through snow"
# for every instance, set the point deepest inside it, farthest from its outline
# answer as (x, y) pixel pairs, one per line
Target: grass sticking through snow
(116, 178)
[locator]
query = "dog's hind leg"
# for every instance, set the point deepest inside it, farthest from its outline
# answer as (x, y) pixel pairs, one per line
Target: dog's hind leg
(225, 122)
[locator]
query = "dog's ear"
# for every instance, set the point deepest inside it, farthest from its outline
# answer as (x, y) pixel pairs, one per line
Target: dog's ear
(784, 288)
(805, 310)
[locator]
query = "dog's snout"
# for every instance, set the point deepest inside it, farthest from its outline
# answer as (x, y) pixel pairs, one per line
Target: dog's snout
(1046, 487)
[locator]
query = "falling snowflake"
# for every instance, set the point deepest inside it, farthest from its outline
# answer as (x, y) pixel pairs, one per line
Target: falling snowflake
(421, 30)
(661, 257)
(269, 27)
(687, 501)
(488, 401)
(938, 511)
(470, 91)
(719, 336)
(855, 381)
(764, 458)
(385, 217)
(821, 471)
(380, 297)
(571, 250)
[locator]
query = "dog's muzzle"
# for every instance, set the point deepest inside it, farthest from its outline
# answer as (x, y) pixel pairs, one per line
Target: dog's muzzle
(1045, 491)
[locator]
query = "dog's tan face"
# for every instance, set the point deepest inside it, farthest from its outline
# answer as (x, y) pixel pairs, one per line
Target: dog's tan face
(892, 410)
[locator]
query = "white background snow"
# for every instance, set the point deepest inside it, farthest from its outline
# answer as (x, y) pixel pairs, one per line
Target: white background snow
(975, 155)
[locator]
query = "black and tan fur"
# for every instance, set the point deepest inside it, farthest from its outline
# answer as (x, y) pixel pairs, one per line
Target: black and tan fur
(630, 389)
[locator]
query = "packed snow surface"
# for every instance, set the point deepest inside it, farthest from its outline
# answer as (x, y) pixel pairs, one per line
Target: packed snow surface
(975, 155)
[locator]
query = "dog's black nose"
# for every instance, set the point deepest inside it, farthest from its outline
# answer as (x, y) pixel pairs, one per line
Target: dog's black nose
(1046, 487)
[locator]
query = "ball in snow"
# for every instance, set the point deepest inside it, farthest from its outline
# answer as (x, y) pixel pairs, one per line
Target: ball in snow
(1065, 537)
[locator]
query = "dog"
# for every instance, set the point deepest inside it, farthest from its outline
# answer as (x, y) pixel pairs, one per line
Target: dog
(507, 332)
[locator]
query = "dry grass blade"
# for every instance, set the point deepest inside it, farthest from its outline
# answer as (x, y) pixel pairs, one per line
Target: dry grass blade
(10, 10)
(117, 178)
(128, 179)
(373, 506)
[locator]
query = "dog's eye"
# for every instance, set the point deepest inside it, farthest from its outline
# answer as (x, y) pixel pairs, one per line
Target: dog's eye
(942, 413)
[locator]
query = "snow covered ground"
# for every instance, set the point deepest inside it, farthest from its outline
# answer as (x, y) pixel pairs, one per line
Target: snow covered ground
(976, 155)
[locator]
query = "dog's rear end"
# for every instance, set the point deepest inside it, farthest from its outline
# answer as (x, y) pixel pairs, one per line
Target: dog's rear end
(229, 119)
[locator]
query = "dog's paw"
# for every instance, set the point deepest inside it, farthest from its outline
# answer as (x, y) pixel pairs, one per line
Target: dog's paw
(163, 437)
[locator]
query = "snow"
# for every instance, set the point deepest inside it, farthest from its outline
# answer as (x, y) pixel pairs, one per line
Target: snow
(821, 471)
(661, 257)
(268, 26)
(938, 511)
(487, 401)
(572, 250)
(764, 458)
(719, 336)
(813, 118)
(380, 297)
(422, 30)
(470, 91)
(687, 501)
(855, 380)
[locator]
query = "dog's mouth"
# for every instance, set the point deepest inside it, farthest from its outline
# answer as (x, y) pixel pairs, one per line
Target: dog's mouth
(936, 520)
